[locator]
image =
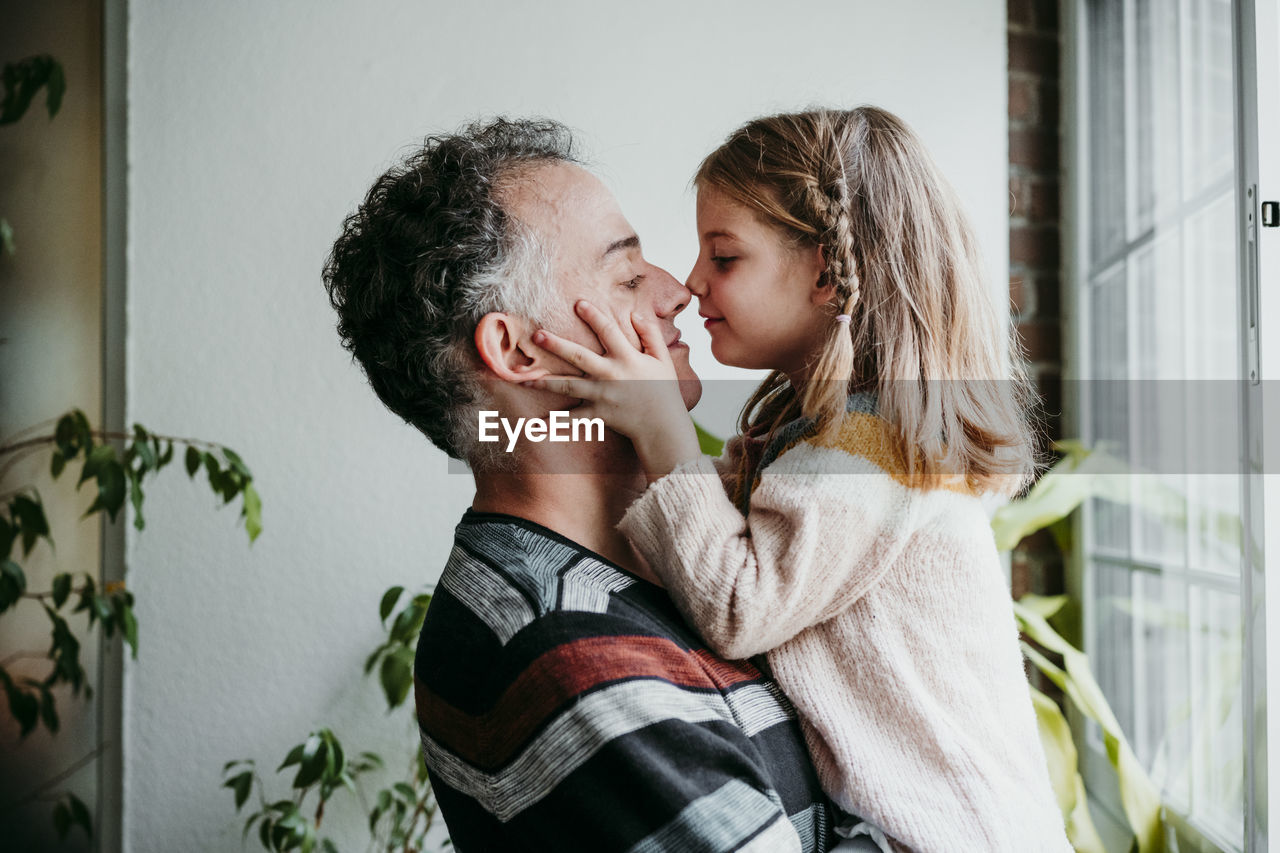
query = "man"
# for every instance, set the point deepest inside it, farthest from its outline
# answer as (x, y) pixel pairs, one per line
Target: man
(562, 702)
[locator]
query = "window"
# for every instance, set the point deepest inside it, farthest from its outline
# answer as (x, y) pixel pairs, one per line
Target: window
(1162, 570)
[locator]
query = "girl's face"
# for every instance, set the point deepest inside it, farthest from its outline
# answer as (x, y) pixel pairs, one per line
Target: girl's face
(759, 296)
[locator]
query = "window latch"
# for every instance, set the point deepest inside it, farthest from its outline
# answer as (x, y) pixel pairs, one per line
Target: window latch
(1271, 214)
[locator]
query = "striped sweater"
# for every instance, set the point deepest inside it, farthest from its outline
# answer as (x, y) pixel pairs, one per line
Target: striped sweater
(564, 705)
(887, 621)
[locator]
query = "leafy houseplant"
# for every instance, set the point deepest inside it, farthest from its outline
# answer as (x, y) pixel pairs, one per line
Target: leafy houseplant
(1080, 475)
(119, 464)
(21, 81)
(402, 815)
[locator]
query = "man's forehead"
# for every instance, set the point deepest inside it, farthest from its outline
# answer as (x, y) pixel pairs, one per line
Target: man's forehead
(567, 203)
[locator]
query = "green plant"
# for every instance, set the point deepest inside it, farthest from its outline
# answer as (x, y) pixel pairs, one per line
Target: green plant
(119, 464)
(401, 815)
(1080, 475)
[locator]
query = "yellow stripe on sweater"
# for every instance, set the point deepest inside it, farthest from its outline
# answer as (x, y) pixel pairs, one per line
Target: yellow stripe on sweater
(876, 440)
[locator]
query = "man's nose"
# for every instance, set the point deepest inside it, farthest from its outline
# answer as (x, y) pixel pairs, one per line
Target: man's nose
(670, 296)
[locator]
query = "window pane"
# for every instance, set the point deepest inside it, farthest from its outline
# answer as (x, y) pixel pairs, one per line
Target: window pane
(1112, 646)
(1158, 115)
(1106, 131)
(1213, 515)
(1209, 120)
(1162, 741)
(1159, 403)
(1217, 799)
(1212, 341)
(1108, 398)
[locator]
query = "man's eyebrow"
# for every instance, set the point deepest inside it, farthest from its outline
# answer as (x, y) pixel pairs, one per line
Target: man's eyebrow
(632, 242)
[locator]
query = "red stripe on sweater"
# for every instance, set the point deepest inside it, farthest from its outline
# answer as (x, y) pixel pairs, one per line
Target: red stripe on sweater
(559, 675)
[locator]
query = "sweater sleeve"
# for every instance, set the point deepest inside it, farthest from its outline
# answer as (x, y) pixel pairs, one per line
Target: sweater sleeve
(823, 527)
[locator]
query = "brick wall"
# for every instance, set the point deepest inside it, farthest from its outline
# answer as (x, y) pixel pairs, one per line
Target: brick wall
(1035, 238)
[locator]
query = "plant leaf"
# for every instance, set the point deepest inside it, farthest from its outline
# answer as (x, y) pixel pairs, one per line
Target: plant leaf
(1138, 796)
(23, 705)
(8, 533)
(61, 819)
(80, 814)
(61, 589)
(709, 444)
(135, 498)
(241, 785)
(252, 512)
(192, 461)
(48, 711)
(315, 755)
(23, 79)
(406, 626)
(294, 757)
(111, 487)
(1046, 606)
(1068, 787)
(29, 513)
(13, 583)
(129, 628)
(389, 599)
(234, 460)
(396, 676)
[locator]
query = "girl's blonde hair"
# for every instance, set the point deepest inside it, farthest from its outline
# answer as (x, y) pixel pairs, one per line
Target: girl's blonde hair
(904, 264)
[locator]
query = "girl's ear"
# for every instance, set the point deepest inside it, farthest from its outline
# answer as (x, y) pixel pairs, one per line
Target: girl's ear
(821, 293)
(505, 346)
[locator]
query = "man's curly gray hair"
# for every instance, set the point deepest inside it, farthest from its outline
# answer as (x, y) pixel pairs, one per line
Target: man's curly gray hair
(429, 252)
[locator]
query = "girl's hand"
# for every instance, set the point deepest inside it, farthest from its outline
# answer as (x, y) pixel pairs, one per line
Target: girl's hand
(634, 391)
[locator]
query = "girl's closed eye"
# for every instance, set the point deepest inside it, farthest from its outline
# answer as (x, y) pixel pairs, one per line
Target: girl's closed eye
(723, 261)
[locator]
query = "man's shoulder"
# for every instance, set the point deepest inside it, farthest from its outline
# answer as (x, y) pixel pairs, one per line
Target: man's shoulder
(509, 575)
(519, 606)
(545, 675)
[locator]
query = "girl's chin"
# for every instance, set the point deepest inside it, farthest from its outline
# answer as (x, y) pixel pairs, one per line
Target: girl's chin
(732, 356)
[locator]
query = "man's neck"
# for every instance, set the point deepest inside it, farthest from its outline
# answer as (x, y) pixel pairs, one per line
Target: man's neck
(582, 505)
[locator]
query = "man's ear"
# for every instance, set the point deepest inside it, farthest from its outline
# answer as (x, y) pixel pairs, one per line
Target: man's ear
(504, 345)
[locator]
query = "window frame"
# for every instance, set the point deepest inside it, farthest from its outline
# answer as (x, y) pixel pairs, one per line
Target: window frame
(1256, 45)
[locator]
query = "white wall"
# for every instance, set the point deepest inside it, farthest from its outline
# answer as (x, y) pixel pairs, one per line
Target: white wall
(254, 129)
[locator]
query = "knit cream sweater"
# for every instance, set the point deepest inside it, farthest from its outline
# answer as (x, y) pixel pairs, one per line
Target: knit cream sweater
(886, 619)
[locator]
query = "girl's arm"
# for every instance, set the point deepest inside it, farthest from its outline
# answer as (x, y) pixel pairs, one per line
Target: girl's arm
(824, 525)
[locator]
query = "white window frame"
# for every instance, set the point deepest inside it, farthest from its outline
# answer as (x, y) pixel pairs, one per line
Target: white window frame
(1257, 111)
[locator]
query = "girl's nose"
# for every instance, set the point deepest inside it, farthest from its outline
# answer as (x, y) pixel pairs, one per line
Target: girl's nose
(694, 283)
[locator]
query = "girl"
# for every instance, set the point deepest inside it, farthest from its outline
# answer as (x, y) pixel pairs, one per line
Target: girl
(833, 253)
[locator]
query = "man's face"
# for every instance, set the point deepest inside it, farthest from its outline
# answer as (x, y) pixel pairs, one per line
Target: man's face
(596, 256)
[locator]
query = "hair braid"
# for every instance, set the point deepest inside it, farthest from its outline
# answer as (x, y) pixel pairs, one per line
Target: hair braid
(827, 201)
